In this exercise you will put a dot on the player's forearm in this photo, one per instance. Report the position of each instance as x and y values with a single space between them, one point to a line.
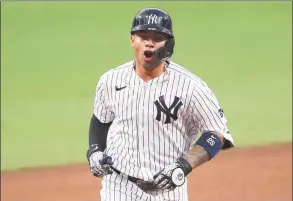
98 132
198 155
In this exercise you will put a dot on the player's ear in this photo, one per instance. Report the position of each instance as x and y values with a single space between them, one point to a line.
132 38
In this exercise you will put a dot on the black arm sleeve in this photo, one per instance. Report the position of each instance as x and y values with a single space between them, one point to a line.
98 132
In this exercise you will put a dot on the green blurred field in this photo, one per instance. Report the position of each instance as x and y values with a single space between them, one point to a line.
54 52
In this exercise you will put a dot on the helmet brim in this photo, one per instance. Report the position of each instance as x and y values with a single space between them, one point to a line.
152 27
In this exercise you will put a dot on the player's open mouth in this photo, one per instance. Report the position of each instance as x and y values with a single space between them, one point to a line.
148 54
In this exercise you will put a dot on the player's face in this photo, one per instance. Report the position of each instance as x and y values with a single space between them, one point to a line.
144 44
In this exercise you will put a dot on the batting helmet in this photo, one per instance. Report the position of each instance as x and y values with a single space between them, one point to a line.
154 19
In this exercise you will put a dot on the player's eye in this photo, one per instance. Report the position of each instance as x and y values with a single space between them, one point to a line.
159 37
144 36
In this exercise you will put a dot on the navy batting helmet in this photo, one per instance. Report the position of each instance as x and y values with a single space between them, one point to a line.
154 19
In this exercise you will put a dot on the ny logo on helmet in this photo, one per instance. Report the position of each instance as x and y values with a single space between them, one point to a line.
162 108
152 19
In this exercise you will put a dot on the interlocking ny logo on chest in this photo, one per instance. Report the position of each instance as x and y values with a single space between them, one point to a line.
163 109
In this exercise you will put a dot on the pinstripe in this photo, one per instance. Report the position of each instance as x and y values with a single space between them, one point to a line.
173 129
119 107
140 144
155 134
197 81
107 116
134 107
183 129
170 98
116 107
171 149
204 115
138 130
111 88
128 126
154 146
123 139
122 152
200 85
148 122
110 194
164 141
100 107
205 109
190 123
211 112
107 191
142 117
114 187
203 120
159 137
132 115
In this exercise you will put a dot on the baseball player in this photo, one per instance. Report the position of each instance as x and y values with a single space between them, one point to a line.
147 115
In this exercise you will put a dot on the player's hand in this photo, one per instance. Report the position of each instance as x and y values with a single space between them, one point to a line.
100 164
98 161
172 176
169 177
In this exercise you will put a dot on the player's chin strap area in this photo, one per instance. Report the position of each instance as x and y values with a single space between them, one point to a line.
164 53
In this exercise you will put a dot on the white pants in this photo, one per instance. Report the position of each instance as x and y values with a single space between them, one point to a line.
117 188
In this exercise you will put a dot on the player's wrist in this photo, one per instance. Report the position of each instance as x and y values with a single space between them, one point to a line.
184 165
92 149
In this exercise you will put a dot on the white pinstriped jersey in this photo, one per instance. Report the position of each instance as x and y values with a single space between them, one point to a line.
154 122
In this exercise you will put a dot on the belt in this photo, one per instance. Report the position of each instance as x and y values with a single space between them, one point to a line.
143 185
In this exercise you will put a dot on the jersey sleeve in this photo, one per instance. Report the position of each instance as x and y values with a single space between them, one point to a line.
102 108
207 113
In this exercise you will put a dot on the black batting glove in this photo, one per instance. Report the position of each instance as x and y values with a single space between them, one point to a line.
173 176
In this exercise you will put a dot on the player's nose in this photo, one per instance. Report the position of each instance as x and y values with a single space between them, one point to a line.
149 43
